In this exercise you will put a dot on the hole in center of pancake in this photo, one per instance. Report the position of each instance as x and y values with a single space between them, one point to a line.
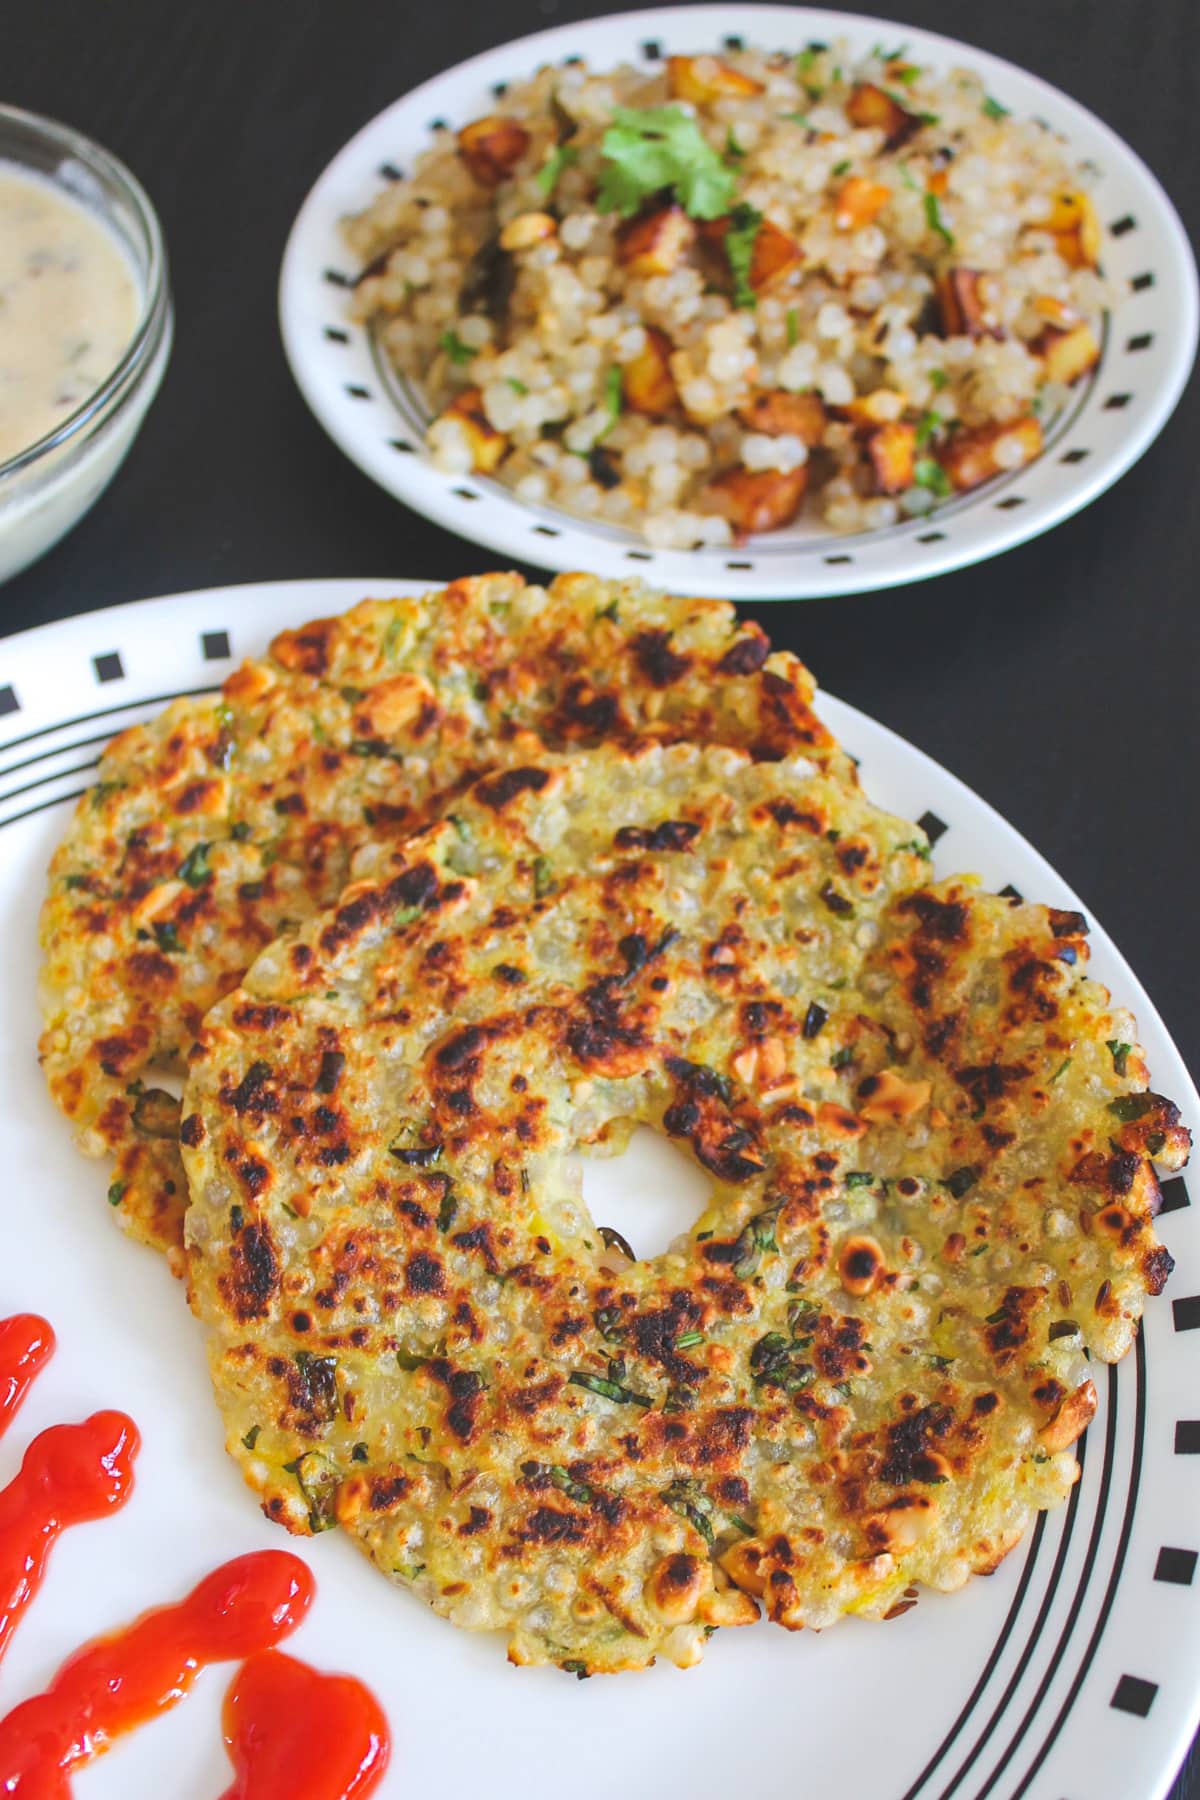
649 1193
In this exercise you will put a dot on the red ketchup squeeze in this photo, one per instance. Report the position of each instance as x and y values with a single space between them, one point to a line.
293 1732
119 1682
26 1342
70 1473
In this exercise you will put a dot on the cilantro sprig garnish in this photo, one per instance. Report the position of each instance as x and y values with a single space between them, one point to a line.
652 148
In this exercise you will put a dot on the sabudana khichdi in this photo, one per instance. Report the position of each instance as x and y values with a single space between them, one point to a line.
682 301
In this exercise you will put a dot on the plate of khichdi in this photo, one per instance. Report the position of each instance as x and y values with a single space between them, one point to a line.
769 301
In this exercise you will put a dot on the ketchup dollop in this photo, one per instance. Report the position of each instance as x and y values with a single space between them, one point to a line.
26 1342
292 1731
70 1473
118 1682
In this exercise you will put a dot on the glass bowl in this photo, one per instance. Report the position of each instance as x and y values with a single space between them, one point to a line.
46 488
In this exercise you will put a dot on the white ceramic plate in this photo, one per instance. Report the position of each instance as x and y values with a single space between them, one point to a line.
1069 1675
379 420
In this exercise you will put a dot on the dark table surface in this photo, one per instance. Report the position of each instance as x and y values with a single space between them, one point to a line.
1059 680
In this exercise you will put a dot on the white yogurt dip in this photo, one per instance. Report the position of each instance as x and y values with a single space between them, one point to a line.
69 306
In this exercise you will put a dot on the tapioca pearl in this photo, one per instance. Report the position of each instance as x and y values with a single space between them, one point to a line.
450 447
786 452
869 244
835 384
576 230
797 370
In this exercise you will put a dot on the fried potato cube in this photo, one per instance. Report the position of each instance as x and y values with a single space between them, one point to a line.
758 499
487 444
648 384
975 456
492 148
657 242
961 303
870 108
775 255
776 413
1076 228
860 202
893 453
1067 355
526 230
704 78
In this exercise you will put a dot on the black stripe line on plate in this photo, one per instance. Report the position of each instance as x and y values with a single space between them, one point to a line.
1081 1587
42 806
1039 1626
29 762
1110 1593
106 712
41 781
1039 1531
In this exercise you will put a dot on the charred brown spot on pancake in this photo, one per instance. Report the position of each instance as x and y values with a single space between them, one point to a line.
746 654
672 834
786 812
995 1138
191 1131
659 663
1035 983
838 1346
945 921
1008 1328
465 1390
587 711
497 790
251 1094
254 1175
253 1273
1156 1268
253 1016
425 1274
602 1040
478 1238
387 1491
550 1525
120 1053
909 1443
196 796
151 969
986 1082
461 1052
722 1437
307 651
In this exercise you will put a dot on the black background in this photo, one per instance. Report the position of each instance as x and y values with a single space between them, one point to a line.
1058 680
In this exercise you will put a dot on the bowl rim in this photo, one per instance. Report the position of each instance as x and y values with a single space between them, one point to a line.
139 353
